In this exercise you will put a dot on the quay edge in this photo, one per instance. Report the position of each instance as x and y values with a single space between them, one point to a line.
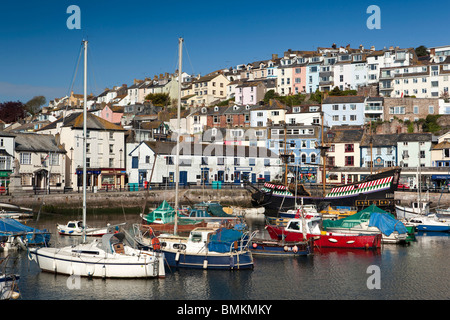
136 199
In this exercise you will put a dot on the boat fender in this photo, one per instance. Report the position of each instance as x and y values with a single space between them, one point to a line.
155 244
235 245
286 248
177 256
254 245
295 249
205 264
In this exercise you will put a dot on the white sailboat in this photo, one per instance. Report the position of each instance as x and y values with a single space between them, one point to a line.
106 257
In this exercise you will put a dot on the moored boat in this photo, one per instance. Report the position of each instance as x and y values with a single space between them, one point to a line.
377 188
204 248
106 257
371 220
75 228
294 231
430 223
265 247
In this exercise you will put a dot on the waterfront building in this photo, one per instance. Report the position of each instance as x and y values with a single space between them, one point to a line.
344 151
40 161
301 143
200 163
7 147
272 113
105 150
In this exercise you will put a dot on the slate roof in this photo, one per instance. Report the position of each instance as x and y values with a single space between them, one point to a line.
37 143
75 120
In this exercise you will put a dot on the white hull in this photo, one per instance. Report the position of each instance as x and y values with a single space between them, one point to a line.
90 260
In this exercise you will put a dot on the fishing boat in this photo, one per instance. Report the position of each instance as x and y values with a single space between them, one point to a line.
15 235
265 247
376 188
75 228
300 229
15 212
416 208
371 220
204 248
106 257
162 219
337 212
430 223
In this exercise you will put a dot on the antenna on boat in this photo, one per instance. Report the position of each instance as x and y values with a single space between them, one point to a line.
177 174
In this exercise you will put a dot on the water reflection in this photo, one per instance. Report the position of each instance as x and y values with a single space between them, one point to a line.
417 271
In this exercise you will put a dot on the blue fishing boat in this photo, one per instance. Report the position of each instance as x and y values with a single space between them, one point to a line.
17 234
430 223
204 248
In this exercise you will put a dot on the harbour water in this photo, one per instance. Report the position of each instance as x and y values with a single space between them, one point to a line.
418 271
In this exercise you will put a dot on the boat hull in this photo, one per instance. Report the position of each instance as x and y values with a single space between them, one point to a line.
59 261
431 228
281 248
223 261
330 240
378 189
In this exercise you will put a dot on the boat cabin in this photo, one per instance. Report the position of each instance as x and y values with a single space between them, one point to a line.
313 226
201 235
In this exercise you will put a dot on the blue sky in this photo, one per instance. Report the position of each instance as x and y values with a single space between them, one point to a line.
137 39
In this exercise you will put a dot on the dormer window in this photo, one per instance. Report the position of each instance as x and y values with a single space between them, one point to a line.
216 108
203 110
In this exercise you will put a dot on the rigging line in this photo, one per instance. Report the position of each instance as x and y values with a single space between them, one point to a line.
189 57
90 59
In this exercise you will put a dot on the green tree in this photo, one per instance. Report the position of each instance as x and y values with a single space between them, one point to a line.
159 99
421 51
271 94
34 105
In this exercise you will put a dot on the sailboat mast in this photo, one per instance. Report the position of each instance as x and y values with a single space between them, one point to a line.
177 174
85 43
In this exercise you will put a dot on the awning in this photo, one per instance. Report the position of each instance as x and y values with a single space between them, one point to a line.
440 177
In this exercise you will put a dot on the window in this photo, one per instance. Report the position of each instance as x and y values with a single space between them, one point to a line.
267 162
349 161
204 161
54 159
251 162
169 160
237 161
111 162
416 109
431 109
25 158
220 161
349 147
134 162
111 148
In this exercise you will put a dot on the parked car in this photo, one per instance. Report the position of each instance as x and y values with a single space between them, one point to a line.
402 186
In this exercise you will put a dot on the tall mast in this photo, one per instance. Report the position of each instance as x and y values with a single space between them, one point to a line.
324 177
85 43
177 173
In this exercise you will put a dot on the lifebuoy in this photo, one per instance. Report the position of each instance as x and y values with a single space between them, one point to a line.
155 244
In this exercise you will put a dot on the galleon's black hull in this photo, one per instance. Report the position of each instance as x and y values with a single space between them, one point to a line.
377 189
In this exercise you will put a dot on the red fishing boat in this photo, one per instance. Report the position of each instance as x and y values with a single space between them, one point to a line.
297 229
